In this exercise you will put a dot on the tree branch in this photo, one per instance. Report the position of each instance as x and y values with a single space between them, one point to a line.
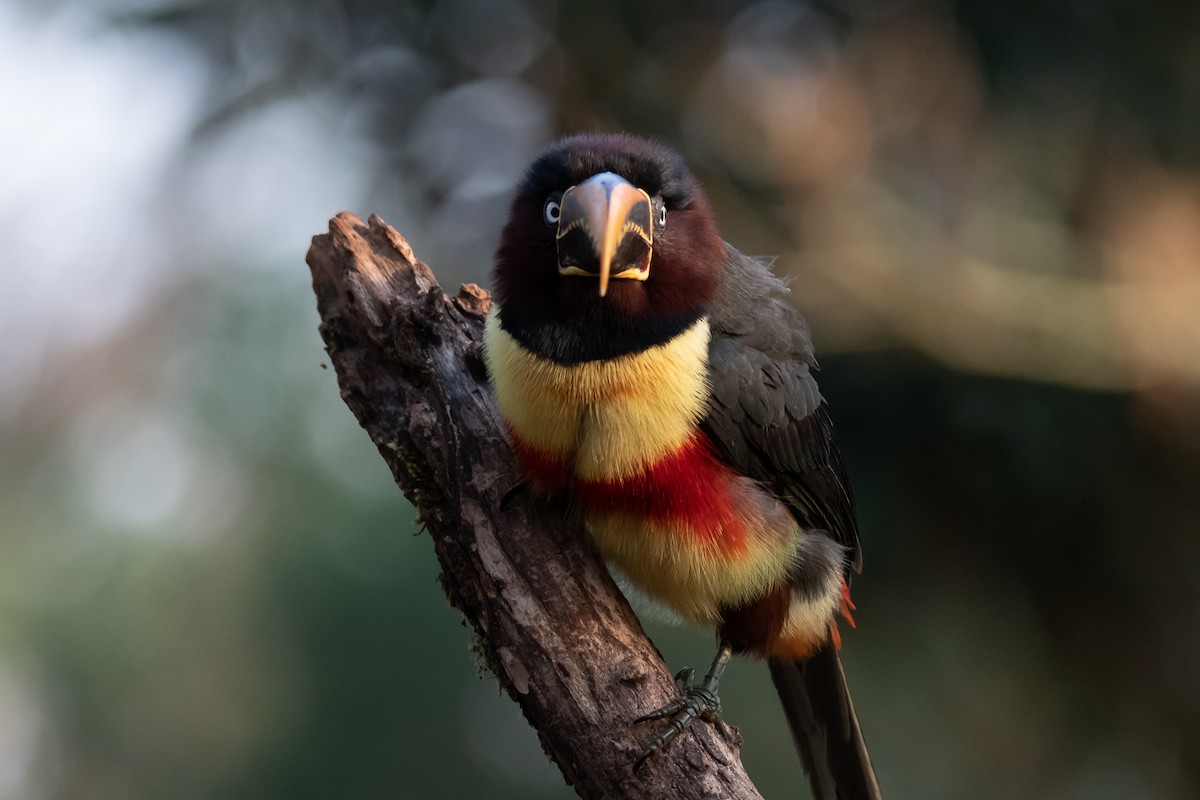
558 634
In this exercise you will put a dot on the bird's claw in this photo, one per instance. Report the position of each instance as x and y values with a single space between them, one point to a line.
514 491
693 702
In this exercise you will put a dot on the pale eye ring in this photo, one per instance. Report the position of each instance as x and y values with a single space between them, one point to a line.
662 216
552 211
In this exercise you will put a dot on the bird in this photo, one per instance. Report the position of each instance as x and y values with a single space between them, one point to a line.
659 380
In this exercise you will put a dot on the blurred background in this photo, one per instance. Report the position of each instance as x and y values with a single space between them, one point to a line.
990 213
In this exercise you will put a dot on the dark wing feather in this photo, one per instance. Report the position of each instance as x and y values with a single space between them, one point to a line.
766 416
767 419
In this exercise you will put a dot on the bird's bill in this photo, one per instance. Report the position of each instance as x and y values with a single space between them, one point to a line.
605 230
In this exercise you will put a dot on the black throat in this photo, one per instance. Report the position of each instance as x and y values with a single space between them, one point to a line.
592 337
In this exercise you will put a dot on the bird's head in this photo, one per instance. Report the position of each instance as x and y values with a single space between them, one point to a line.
610 246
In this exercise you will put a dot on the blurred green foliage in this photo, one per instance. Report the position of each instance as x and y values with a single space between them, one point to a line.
209 586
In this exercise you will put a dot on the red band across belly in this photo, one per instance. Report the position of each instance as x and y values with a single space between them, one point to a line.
689 487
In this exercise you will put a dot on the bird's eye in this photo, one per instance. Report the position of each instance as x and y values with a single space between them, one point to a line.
552 211
662 216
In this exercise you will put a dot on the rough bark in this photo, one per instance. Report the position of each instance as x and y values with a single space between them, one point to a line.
558 634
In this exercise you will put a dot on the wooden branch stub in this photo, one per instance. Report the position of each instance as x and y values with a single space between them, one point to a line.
560 637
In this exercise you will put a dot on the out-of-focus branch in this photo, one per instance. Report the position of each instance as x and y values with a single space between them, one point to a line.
1130 330
558 634
918 210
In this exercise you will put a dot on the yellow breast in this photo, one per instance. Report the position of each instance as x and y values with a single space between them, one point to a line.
608 419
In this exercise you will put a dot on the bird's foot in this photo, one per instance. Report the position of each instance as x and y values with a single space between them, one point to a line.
514 491
694 700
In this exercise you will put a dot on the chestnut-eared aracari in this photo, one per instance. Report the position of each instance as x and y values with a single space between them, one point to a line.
657 377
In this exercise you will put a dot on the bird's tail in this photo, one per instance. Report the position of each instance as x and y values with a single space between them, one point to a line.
821 715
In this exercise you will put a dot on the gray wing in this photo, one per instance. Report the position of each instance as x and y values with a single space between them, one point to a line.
766 417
